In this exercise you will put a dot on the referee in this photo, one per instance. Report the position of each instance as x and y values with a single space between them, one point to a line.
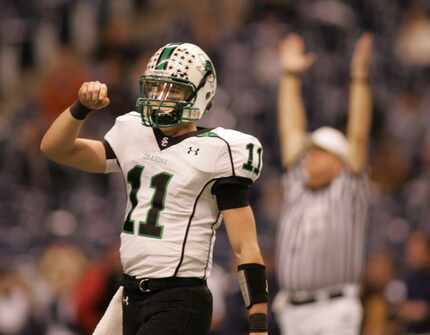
322 229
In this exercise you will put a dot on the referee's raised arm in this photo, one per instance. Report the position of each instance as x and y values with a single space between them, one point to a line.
291 111
360 105
322 230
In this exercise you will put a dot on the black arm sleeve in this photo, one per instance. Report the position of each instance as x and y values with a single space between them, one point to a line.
231 192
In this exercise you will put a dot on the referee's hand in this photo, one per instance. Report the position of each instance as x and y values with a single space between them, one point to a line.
292 55
94 95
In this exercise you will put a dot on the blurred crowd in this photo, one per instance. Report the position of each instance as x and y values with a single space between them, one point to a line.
60 228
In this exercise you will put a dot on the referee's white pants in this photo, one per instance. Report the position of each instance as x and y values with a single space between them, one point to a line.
338 316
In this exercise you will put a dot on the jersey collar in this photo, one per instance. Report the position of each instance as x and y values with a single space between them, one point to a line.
165 141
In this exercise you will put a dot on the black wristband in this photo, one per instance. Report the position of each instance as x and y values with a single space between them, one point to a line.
258 323
79 111
253 283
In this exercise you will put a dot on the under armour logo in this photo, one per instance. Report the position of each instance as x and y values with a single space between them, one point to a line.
125 300
164 141
191 149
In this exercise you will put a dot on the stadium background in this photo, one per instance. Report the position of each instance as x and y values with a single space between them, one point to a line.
59 228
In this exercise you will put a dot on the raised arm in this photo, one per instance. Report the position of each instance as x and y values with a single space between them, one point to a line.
360 105
240 225
61 143
291 111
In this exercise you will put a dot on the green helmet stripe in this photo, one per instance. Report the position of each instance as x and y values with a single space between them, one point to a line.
165 55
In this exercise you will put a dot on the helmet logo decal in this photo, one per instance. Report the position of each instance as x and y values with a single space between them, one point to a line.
165 55
202 67
162 65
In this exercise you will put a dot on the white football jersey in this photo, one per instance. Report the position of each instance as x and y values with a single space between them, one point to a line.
171 213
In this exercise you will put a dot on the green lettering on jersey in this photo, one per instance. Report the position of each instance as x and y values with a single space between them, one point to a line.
150 226
249 165
133 178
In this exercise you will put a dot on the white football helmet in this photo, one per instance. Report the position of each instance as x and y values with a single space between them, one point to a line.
178 86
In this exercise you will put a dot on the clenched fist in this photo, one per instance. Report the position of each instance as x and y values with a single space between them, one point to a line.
94 95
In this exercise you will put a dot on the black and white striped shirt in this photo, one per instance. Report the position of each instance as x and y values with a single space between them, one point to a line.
322 232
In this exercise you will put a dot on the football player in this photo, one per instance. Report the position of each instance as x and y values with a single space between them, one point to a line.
181 182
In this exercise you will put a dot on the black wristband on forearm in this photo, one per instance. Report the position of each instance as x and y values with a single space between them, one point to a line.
258 323
253 283
79 111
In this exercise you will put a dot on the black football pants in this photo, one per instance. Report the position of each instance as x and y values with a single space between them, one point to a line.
175 311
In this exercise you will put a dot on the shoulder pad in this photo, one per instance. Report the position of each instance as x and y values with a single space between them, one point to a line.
129 124
202 151
241 155
132 116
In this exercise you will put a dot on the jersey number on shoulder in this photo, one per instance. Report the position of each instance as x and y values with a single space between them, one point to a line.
150 226
249 165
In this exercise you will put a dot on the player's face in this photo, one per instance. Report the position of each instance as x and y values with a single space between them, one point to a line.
164 96
162 91
321 167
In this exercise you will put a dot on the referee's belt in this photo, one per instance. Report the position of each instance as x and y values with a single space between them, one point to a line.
303 298
298 300
147 285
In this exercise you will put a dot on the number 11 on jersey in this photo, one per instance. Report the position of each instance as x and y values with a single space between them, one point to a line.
150 226
249 164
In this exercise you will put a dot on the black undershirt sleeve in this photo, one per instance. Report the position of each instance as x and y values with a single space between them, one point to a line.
232 192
